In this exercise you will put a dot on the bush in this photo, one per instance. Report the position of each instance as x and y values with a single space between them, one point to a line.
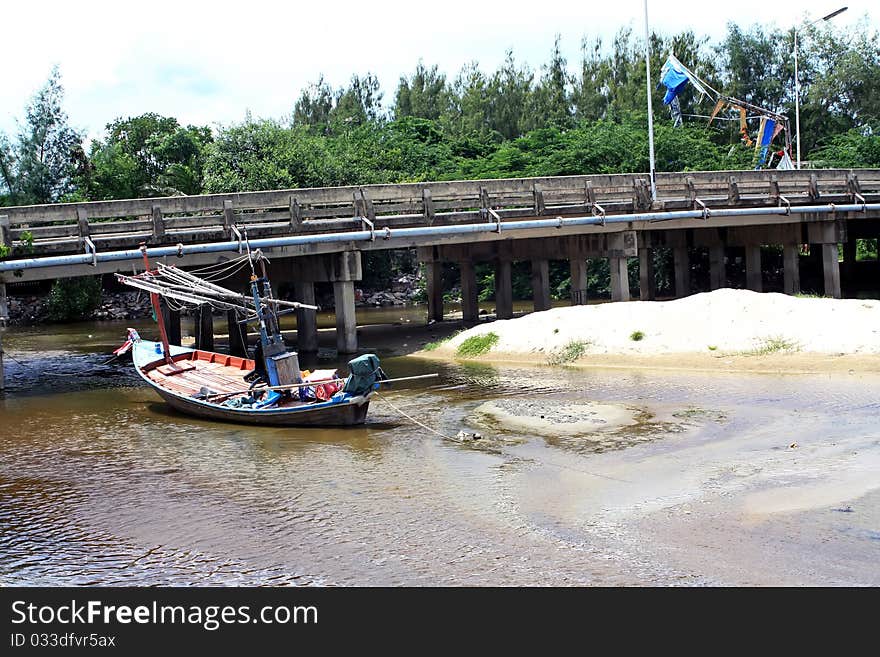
477 345
74 299
569 352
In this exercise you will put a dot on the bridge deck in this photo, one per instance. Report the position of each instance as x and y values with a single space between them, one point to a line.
64 228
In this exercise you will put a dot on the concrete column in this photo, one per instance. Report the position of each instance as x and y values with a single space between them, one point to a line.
647 291
541 284
237 335
619 279
503 290
4 306
203 328
2 375
306 320
682 266
172 323
826 235
849 263
346 321
791 268
434 273
578 281
831 270
470 308
753 268
717 274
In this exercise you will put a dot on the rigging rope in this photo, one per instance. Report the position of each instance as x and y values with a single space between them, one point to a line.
543 462
412 419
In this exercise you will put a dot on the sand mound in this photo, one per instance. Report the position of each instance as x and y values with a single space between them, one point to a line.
724 321
557 418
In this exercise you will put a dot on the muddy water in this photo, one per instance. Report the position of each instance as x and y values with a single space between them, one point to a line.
720 479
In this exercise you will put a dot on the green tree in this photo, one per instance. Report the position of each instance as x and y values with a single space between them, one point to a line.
551 99
268 155
425 94
754 66
74 299
510 94
469 114
148 155
314 105
359 103
43 164
853 149
591 89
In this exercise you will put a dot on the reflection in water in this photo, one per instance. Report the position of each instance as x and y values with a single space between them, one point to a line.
101 483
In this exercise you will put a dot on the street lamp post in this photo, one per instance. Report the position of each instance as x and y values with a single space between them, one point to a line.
797 86
650 109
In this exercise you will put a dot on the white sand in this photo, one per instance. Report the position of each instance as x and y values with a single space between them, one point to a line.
556 418
725 321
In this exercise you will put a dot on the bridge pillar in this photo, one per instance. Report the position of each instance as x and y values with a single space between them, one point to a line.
753 268
682 266
620 247
434 273
619 279
791 268
4 306
717 273
203 328
827 235
848 267
541 284
831 270
503 290
470 309
172 323
306 320
578 281
4 320
647 290
237 335
346 320
342 269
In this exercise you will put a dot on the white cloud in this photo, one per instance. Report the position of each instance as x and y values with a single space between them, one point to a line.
209 62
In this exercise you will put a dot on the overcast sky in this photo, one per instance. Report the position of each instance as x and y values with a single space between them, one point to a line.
210 62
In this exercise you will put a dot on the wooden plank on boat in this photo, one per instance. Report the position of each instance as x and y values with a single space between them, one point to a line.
175 368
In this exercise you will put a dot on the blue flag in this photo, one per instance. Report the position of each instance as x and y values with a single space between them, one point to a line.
674 76
765 135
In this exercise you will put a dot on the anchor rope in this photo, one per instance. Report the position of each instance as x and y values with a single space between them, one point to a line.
550 463
15 360
411 418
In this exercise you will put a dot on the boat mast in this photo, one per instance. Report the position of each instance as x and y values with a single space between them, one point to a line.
282 366
157 310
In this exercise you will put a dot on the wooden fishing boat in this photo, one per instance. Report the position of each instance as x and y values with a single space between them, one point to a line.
203 383
269 389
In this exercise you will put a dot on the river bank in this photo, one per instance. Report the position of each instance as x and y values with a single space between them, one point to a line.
600 476
33 309
734 330
581 476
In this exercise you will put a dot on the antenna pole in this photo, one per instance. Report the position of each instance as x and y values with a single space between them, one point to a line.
157 309
650 110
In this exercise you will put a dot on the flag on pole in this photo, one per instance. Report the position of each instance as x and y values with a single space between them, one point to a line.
765 135
675 76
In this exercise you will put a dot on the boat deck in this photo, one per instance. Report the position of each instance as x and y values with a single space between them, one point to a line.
200 369
190 372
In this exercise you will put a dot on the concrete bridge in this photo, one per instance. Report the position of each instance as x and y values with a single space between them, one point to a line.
318 235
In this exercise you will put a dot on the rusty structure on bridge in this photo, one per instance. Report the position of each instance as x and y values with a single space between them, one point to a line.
320 234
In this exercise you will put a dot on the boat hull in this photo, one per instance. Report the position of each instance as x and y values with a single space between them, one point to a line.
339 411
338 415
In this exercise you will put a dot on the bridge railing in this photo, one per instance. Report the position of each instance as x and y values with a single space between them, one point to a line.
63 228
